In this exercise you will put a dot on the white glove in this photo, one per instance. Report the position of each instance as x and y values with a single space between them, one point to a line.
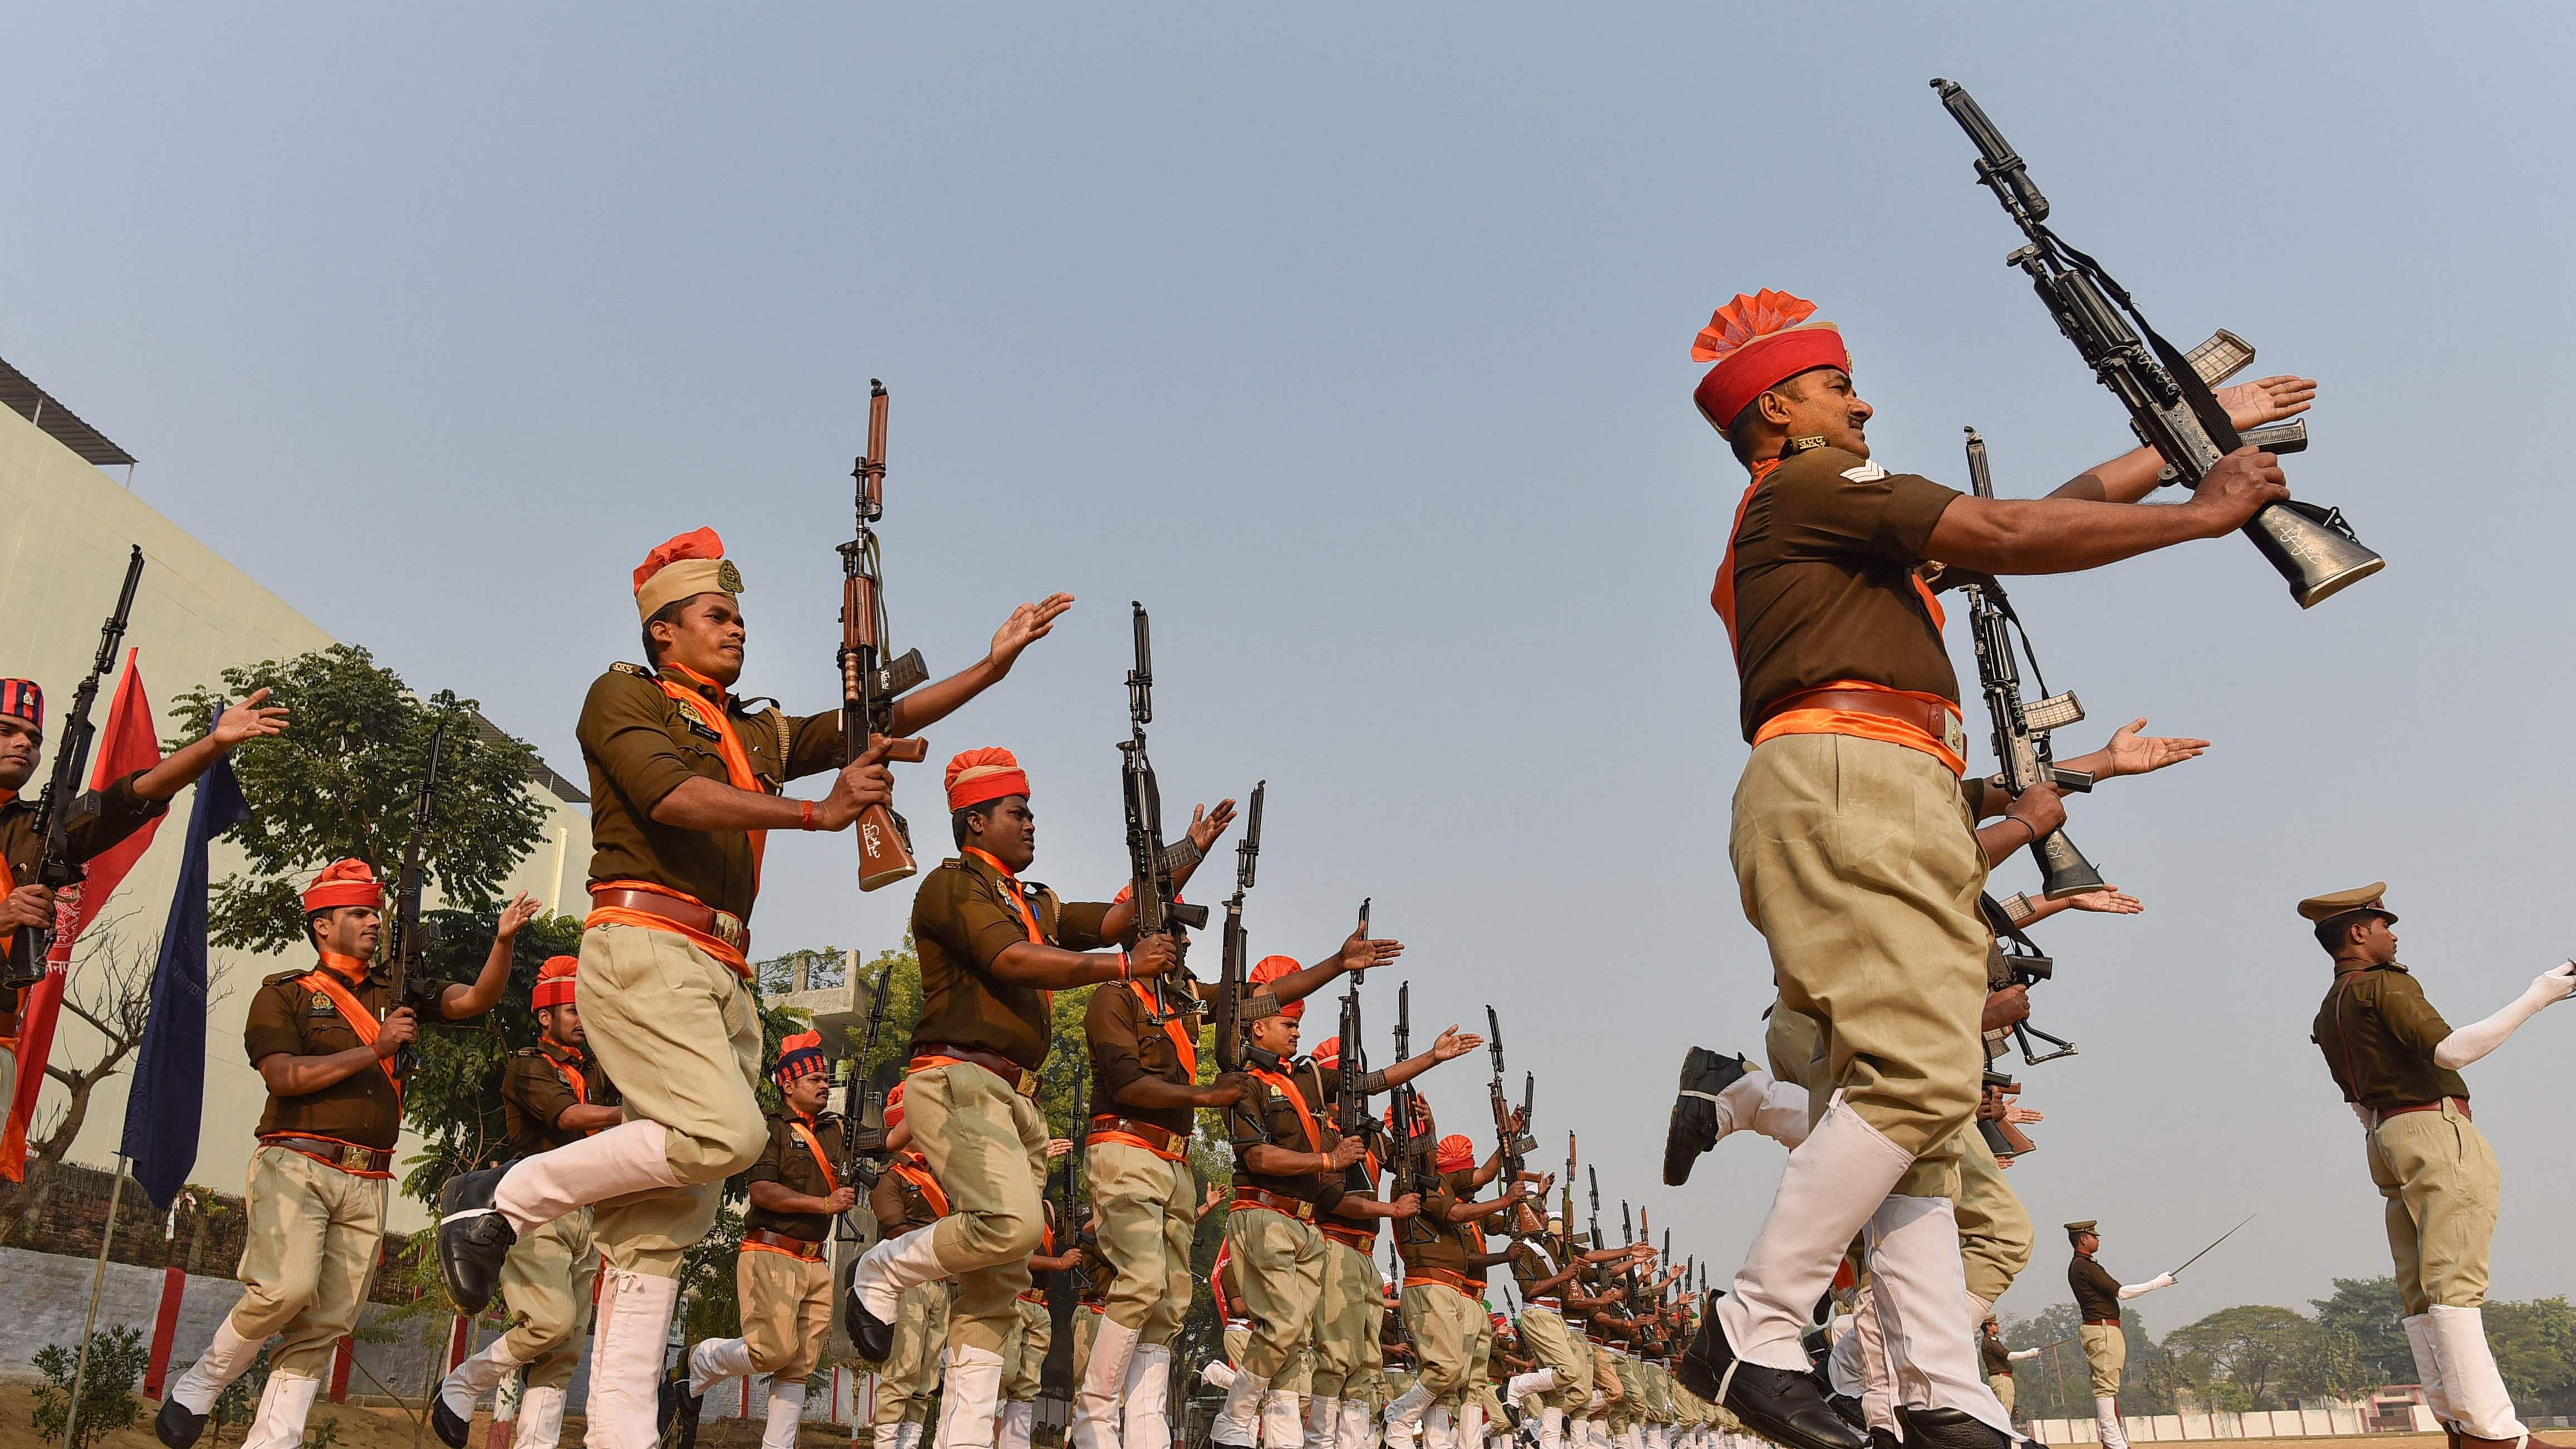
2469 1043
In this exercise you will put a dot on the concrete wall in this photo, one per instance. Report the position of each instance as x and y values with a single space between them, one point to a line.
64 531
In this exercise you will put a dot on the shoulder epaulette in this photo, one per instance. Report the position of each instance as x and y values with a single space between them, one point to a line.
638 670
524 1052
286 976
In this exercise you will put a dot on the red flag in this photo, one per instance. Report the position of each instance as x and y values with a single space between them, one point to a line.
129 743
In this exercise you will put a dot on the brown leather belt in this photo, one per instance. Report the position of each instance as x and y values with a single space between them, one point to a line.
1363 1239
1931 719
1445 1279
810 1252
2384 1113
1551 1303
1277 1202
725 926
346 1156
2101 1323
1161 1139
1019 1078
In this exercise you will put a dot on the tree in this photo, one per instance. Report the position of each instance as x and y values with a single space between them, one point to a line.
107 1403
453 1096
2255 1353
2365 1337
2535 1350
342 784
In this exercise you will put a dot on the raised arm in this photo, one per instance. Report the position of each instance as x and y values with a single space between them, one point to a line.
457 1000
2469 1043
932 703
2132 475
2065 535
294 1076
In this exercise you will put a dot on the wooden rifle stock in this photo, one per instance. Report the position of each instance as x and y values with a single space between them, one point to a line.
869 684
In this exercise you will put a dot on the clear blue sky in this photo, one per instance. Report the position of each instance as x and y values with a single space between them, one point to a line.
1355 341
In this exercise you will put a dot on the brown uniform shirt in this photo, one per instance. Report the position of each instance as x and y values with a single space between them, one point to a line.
1991 1349
536 1089
1824 581
99 819
1126 1049
1266 1116
788 1162
2097 1293
1439 1243
899 1205
362 1107
1534 1261
640 744
962 918
2378 1033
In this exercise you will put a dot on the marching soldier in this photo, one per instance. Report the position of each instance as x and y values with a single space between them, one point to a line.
685 776
551 1094
2398 1064
993 951
1999 1359
2098 1297
96 820
1545 1265
1024 1351
1443 1313
1851 707
906 1199
783 1275
328 1042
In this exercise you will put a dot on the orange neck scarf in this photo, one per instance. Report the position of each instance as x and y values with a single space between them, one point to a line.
913 1168
1184 1041
1020 903
360 1020
348 966
737 760
804 1126
571 1069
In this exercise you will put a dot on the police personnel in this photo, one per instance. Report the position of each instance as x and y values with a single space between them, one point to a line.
2098 1297
994 949
906 1198
1853 839
551 1094
1545 1263
684 782
1444 1315
94 821
1999 1360
328 1042
2398 1063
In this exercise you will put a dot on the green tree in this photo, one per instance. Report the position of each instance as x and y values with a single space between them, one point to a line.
2365 1337
341 783
453 1096
107 1402
2259 1352
2535 1350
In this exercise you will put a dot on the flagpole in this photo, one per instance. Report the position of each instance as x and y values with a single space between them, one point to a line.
97 1280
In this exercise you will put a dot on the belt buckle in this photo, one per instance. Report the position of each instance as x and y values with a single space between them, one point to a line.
1954 736
1028 1086
1305 1211
355 1159
728 928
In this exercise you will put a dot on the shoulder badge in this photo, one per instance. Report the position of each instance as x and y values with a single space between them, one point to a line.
638 670
1865 473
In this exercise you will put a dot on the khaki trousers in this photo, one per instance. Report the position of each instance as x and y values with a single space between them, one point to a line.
2442 1185
786 1311
2003 1386
1545 1336
675 1029
1659 1393
1858 863
546 1284
1279 1261
1024 1352
987 1147
1480 1350
1632 1391
310 1249
1995 1236
1442 1323
1347 1320
1147 1209
2106 1351
1605 1380
910 1372
1086 1327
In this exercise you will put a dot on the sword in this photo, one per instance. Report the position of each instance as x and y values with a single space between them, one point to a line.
2203 1253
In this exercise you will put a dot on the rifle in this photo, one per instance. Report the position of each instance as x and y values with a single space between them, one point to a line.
1158 902
862 1110
1565 1214
1627 1234
55 867
1233 1010
1061 1290
1595 1174
1408 1150
1351 1102
411 983
2166 391
869 684
2003 1139
2015 961
1514 1139
2022 729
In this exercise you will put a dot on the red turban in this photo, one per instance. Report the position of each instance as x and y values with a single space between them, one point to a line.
554 982
683 568
23 700
1455 1154
801 1055
982 775
1271 968
344 883
1758 342
1328 1053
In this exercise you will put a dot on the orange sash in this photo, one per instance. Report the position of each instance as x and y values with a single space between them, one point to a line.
737 760
814 1144
1288 1089
572 1075
1185 1041
1020 903
360 1020
923 1182
8 883
725 951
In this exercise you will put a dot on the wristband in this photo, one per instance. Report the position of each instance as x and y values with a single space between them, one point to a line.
805 815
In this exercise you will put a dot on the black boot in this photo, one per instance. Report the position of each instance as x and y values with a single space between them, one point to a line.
451 1426
1950 1429
175 1426
1693 1127
872 1336
1777 1403
1884 1439
1849 1408
676 1410
473 1238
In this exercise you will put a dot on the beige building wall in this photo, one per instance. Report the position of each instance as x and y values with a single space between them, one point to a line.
65 528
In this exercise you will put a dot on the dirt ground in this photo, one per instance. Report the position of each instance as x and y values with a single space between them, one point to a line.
363 1427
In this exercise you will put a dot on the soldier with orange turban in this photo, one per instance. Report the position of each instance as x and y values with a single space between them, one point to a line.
1854 841
906 1198
686 782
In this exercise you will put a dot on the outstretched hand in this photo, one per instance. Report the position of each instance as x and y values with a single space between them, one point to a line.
1206 825
1028 624
1454 1044
1359 953
2134 754
2109 900
248 720
2267 400
522 909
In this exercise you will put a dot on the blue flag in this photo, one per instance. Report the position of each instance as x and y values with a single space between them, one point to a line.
168 1095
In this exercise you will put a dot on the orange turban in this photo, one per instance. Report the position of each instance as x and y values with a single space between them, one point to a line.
1454 1154
801 1055
894 1107
1758 342
978 776
554 982
683 568
1328 1053
1271 968
344 883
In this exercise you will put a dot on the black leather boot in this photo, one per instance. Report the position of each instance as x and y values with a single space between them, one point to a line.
1778 1403
473 1238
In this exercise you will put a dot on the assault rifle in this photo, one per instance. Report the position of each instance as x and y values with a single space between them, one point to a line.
2003 1139
1234 1009
869 683
2166 391
1158 902
1565 1213
1512 1136
1349 1100
1595 1174
412 984
55 867
862 1110
1409 1150
2015 961
2022 729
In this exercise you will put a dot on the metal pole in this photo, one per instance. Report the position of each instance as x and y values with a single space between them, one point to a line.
97 1280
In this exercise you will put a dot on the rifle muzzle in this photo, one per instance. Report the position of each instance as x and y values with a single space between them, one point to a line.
2313 548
